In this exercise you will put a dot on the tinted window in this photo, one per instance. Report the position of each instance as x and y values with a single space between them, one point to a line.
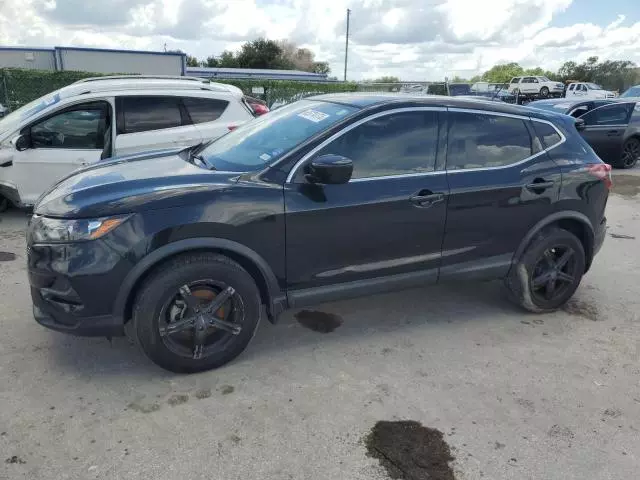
265 139
142 114
81 128
548 135
572 86
632 92
394 144
204 109
515 80
482 140
608 115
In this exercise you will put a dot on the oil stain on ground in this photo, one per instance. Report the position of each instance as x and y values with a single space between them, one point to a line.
582 309
410 451
178 399
7 256
627 186
318 321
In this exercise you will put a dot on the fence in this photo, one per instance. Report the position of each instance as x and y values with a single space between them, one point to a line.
18 86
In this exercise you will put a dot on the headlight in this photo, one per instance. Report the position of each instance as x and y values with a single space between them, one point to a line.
54 230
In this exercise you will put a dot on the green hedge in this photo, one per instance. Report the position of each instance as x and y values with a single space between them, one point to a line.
20 86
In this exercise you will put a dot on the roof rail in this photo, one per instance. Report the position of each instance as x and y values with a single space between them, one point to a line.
143 77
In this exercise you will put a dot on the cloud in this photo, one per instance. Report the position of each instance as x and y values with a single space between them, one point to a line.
411 39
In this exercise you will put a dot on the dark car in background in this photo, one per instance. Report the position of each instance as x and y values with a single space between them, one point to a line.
610 126
631 92
331 197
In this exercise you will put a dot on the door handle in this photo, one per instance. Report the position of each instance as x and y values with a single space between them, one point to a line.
539 185
426 198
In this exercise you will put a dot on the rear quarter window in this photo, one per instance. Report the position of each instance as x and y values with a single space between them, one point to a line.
548 135
202 110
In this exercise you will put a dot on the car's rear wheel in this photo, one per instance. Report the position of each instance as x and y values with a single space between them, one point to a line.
549 271
544 92
4 204
630 153
196 312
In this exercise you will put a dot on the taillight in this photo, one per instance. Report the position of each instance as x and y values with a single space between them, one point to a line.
259 109
601 171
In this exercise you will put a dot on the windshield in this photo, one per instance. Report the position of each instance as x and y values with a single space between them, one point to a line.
13 120
632 92
264 140
593 86
544 79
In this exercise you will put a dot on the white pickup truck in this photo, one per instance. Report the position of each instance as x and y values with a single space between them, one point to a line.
587 90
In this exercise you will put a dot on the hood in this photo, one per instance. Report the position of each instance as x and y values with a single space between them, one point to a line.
132 184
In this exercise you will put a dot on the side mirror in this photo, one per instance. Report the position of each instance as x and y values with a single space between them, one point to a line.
21 143
330 170
580 124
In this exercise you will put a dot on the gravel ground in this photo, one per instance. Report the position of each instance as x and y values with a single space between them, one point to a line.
517 396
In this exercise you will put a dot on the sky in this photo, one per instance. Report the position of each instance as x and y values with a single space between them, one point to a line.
416 40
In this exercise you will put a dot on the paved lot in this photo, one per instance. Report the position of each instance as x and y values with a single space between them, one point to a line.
518 396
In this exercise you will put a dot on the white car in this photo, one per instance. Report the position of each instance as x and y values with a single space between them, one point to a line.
536 86
100 118
587 90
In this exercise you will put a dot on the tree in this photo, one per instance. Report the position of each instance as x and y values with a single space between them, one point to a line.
211 62
192 61
261 53
228 60
321 67
503 73
387 79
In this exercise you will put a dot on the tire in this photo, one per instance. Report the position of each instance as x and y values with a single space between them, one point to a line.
150 312
544 92
630 154
516 92
4 204
534 263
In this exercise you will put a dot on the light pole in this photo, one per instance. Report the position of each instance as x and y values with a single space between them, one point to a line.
346 46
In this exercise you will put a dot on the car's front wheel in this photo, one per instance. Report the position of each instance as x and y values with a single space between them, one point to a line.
549 271
4 204
196 312
630 153
544 92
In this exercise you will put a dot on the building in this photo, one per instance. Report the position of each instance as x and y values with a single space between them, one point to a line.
98 60
254 73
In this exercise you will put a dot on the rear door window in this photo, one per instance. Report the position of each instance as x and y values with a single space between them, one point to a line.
143 114
202 110
479 140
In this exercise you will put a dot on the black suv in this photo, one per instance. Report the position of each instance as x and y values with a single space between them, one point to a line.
327 198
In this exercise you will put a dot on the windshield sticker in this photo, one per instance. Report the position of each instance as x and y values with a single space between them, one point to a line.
265 157
313 115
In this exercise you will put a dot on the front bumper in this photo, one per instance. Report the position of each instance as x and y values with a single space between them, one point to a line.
74 287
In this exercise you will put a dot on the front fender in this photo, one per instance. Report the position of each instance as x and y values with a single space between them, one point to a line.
275 298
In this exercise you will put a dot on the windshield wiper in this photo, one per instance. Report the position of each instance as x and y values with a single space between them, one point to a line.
193 156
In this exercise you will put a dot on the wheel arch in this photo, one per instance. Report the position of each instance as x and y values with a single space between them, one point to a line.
270 292
572 221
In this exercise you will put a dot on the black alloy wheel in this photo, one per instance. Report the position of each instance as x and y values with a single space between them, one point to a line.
201 318
630 153
554 274
544 92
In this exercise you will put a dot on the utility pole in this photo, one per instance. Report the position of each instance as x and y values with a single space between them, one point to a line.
346 47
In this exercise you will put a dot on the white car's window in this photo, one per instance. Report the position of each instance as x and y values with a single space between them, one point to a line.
142 114
478 140
81 128
203 110
572 87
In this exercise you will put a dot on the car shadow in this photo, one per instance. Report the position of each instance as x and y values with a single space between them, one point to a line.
369 318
